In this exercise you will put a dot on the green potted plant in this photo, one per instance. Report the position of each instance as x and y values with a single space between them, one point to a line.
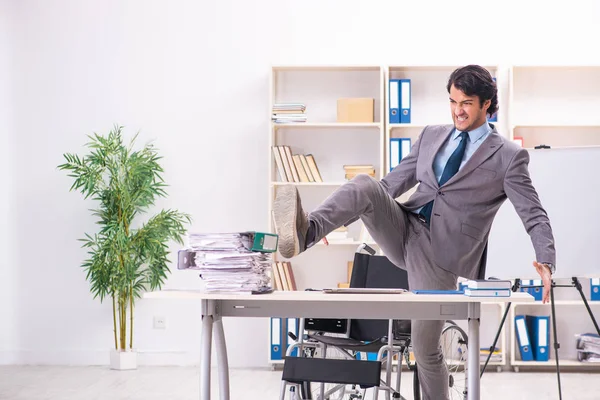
126 256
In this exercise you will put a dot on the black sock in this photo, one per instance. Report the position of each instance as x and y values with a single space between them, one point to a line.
310 235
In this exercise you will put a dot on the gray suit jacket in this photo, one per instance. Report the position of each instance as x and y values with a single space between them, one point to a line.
465 206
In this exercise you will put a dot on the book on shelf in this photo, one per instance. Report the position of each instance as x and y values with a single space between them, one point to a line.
283 276
495 357
288 112
352 171
295 167
489 284
312 164
348 278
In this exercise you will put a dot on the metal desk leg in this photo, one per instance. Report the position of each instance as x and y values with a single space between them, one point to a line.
205 348
473 388
222 359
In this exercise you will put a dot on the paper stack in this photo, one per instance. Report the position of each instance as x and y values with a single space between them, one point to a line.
288 112
231 262
352 170
588 347
496 354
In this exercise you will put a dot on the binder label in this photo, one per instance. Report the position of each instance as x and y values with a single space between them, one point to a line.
405 97
542 337
523 338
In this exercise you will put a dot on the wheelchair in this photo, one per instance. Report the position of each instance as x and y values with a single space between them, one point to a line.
341 359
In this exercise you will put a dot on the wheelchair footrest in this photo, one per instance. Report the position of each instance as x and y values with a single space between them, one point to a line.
364 373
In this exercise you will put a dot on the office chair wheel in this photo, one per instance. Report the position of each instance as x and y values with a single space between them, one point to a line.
454 343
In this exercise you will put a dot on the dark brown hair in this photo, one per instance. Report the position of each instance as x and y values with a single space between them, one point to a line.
474 80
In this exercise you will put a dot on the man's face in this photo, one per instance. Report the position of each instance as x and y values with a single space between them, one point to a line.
467 112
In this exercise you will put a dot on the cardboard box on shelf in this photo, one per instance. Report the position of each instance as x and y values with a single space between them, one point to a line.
355 109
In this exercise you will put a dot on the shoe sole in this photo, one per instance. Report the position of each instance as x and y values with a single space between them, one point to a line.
285 209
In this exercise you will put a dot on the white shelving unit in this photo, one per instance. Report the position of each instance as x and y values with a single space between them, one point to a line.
333 145
555 105
567 353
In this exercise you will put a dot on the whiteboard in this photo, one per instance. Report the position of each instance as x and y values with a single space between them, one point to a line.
568 183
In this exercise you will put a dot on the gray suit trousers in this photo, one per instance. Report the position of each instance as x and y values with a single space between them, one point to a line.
406 242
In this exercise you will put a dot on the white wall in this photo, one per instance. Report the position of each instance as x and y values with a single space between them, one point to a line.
8 270
193 76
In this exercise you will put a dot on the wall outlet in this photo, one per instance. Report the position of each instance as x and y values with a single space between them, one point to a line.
160 323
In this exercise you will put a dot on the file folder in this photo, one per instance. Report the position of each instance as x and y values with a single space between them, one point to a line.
292 326
399 148
523 338
276 348
536 292
525 282
393 100
405 93
595 289
539 335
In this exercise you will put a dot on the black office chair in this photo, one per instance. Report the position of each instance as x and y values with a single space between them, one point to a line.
363 336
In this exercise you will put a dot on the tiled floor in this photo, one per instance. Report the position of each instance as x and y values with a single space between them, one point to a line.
179 383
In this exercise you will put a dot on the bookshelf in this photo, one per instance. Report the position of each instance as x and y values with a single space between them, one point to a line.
555 105
565 309
333 144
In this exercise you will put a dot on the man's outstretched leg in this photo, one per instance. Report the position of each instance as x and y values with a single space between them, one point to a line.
362 197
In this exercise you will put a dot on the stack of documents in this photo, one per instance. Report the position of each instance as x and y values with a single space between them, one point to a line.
588 347
231 262
488 288
496 354
352 170
289 112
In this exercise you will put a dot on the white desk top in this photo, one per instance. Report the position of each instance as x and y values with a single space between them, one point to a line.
329 297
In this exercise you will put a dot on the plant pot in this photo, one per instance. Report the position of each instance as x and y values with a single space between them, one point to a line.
123 359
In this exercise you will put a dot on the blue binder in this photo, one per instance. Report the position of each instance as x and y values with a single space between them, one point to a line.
523 338
292 326
595 289
405 93
538 291
539 335
394 100
399 148
276 347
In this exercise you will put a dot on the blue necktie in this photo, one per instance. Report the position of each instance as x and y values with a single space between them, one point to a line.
450 169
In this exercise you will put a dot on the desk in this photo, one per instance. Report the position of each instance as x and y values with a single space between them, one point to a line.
323 305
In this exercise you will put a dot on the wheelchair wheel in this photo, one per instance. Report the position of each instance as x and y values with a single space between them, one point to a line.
454 344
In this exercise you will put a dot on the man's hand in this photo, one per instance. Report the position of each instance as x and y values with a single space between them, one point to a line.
546 275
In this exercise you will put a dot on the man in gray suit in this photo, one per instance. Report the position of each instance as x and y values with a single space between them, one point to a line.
464 173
